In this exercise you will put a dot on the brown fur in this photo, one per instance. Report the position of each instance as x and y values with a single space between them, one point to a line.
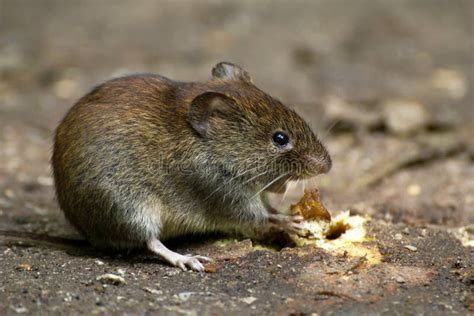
144 156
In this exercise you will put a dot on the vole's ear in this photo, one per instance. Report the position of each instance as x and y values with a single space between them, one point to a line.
229 71
204 106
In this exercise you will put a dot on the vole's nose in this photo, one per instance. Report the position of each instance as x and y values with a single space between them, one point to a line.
327 164
318 165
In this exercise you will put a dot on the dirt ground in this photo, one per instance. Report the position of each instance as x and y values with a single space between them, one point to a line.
388 86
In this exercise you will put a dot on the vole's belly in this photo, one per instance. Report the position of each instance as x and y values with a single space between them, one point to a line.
177 224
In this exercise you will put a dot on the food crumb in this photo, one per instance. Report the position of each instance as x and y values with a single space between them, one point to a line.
210 268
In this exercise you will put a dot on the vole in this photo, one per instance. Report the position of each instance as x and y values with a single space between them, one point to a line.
143 158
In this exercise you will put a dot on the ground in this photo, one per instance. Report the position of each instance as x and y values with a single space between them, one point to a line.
388 86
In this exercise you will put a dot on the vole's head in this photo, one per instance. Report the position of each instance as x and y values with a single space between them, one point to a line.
256 138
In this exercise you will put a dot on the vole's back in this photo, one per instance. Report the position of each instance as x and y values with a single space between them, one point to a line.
106 155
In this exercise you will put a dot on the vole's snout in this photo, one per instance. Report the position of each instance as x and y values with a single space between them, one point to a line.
317 165
327 163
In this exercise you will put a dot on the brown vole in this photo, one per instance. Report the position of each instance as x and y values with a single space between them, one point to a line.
143 158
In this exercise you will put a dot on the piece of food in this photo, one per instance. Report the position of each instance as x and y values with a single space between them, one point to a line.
344 234
310 207
210 268
317 223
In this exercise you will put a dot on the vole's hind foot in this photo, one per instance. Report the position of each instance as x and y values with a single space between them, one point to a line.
289 224
193 262
186 262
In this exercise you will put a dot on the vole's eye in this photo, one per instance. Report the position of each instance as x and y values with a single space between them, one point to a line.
281 139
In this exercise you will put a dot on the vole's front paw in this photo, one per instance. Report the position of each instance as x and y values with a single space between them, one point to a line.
191 262
289 224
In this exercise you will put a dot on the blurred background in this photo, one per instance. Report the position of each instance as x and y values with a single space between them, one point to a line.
388 86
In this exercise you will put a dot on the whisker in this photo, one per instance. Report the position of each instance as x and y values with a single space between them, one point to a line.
240 175
312 182
254 166
286 191
254 177
284 184
229 181
269 184
328 130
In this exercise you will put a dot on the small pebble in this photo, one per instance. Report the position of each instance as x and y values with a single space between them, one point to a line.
399 279
450 81
403 117
121 272
19 309
9 193
410 247
152 291
184 296
110 278
172 272
414 190
249 300
24 267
